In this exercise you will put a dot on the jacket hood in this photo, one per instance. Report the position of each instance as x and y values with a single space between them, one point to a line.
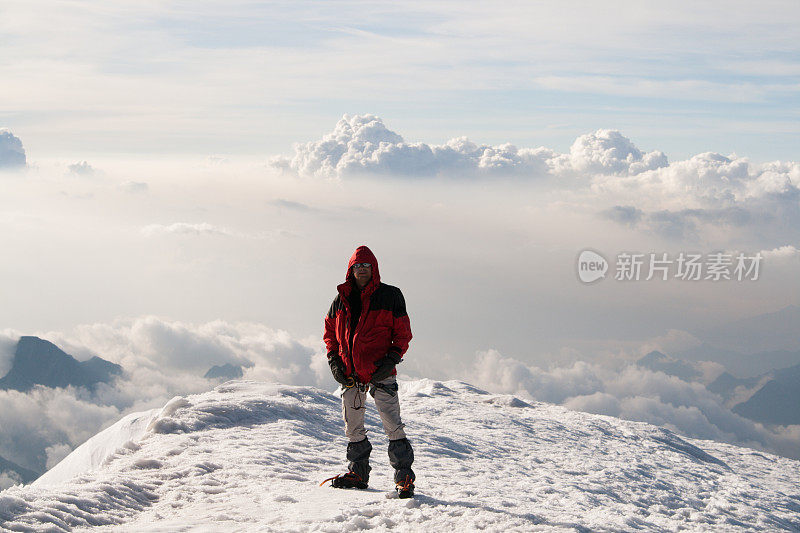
363 255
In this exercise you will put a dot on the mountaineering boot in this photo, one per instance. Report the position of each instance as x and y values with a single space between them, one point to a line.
401 456
348 480
358 455
358 475
405 489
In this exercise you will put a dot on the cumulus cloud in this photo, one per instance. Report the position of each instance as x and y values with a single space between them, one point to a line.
627 185
781 253
183 228
38 419
705 181
158 344
363 144
632 393
609 152
708 190
12 153
56 453
9 479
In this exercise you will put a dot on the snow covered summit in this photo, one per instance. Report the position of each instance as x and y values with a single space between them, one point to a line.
249 456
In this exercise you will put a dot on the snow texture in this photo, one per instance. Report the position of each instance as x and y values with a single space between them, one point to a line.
249 456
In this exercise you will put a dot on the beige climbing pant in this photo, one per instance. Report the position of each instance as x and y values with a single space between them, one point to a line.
354 402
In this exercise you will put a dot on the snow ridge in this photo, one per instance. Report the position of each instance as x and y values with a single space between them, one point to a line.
249 456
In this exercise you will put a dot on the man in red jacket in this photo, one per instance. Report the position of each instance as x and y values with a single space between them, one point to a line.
367 331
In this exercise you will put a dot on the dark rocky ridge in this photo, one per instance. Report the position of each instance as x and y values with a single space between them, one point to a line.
226 371
40 362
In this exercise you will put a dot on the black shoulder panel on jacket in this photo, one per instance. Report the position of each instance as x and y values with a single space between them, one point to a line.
335 306
390 298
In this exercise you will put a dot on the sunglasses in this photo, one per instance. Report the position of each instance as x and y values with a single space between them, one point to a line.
359 265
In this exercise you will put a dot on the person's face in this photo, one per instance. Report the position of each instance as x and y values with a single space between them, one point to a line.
362 272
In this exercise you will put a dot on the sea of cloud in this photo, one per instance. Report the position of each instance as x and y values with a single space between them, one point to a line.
164 358
625 390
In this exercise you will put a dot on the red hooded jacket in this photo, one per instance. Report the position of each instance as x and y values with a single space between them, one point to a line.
383 325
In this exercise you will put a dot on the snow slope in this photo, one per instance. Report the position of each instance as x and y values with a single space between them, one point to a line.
249 456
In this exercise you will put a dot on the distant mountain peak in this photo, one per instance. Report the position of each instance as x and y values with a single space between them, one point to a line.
40 362
15 472
226 371
655 355
660 362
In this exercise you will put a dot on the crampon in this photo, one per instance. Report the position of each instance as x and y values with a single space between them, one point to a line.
348 480
405 489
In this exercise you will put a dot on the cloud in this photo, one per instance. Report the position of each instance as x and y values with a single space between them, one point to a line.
8 345
609 152
183 228
707 180
41 418
623 214
160 344
605 169
631 393
781 253
56 453
708 190
9 479
12 153
81 168
363 144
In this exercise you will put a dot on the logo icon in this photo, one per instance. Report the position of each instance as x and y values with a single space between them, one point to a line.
591 266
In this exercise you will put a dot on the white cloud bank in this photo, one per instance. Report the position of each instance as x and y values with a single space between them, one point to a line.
603 169
12 153
632 393
363 144
782 253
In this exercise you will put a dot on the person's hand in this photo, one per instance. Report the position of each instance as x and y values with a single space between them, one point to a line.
337 369
385 367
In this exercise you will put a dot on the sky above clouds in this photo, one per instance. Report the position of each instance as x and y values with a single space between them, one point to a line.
251 78
181 185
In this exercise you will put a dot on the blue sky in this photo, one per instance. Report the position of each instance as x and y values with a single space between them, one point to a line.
251 78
